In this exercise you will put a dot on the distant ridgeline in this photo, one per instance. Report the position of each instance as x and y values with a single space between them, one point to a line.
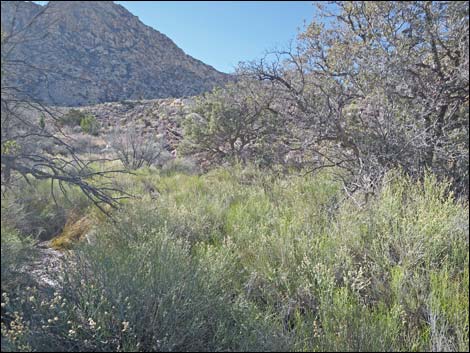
84 52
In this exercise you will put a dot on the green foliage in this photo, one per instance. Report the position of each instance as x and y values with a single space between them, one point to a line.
72 118
234 123
87 122
239 259
361 93
16 251
42 122
36 213
90 125
244 259
181 166
9 147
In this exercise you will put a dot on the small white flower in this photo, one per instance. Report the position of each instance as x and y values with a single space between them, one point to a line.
125 326
91 323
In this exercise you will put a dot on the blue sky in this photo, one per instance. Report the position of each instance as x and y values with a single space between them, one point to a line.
222 33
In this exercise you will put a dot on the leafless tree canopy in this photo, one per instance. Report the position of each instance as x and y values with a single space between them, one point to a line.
136 150
382 85
27 124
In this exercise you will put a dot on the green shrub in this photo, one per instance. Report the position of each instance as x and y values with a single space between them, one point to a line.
86 121
180 165
147 293
42 122
90 125
16 251
233 123
237 259
72 118
36 212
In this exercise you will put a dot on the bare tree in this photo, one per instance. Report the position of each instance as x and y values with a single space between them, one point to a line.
136 149
26 123
383 85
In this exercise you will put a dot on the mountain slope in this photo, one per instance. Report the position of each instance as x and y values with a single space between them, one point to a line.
97 51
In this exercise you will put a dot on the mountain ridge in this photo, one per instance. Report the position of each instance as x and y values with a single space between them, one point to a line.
103 53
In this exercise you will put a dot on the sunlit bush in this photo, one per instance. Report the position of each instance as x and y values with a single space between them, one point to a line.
242 260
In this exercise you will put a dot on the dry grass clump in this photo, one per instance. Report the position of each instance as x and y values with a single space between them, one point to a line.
74 230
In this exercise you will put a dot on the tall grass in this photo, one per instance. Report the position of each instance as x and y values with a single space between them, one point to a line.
40 210
241 260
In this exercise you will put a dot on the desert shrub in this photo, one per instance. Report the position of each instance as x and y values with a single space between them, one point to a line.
361 276
238 259
86 121
234 123
143 291
165 295
42 122
90 125
409 235
84 143
181 165
72 118
34 211
364 277
136 150
16 251
129 104
393 121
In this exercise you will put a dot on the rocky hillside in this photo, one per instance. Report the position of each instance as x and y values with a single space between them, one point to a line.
85 52
159 117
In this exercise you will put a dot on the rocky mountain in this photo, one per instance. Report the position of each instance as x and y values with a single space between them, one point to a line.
74 53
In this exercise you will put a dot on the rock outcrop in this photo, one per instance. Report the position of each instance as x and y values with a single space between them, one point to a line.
87 52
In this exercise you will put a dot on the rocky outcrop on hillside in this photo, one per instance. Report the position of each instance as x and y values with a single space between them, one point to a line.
159 117
87 52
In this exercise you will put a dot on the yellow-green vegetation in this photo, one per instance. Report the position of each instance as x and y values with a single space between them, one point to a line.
75 117
72 118
74 231
90 125
239 259
39 210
